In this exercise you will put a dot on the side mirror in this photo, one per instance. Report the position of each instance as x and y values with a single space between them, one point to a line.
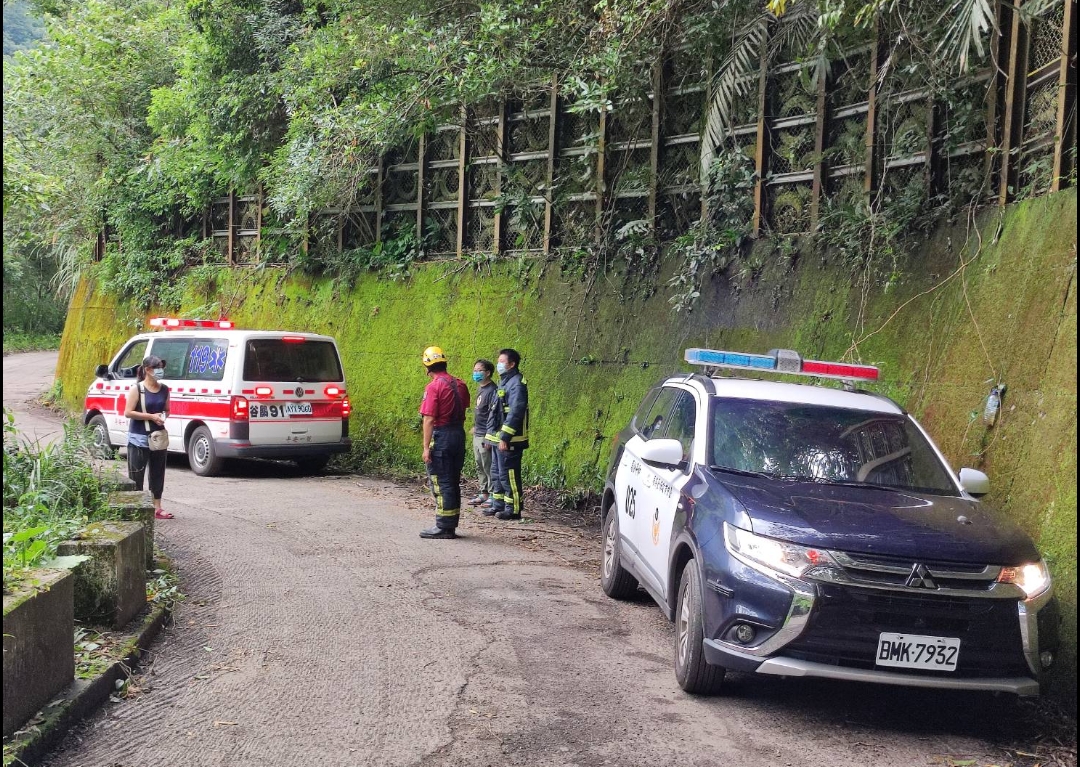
662 452
101 371
974 482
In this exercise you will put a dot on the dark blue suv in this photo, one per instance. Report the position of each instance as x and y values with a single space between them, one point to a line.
803 530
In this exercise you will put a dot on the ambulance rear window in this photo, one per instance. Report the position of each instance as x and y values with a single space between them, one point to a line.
275 359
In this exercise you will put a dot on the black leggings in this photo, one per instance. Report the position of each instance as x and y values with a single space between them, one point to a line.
142 458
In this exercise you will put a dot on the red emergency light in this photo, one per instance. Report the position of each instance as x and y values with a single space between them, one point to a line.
174 323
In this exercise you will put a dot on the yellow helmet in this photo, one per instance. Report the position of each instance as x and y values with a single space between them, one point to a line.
433 354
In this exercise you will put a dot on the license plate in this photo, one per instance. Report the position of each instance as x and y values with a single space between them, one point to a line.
915 651
284 410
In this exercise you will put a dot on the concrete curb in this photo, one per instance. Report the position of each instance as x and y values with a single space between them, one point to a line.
82 697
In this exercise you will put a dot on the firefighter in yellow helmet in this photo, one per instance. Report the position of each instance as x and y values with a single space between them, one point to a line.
443 409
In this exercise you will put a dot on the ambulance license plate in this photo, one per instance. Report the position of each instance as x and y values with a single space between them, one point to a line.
297 408
915 651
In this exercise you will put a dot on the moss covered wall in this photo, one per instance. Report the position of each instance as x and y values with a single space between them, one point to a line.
942 337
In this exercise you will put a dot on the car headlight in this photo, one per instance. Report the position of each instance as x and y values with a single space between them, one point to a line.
1033 579
784 557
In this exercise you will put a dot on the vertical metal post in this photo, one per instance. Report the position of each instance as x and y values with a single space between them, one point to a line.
258 220
1065 129
601 181
654 145
761 151
379 197
1012 137
231 258
420 183
553 148
870 142
463 180
500 151
820 166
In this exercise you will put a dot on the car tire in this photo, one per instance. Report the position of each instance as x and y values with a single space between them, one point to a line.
614 579
692 671
202 456
313 464
100 444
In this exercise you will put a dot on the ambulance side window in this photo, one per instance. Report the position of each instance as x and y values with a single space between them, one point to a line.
129 361
174 352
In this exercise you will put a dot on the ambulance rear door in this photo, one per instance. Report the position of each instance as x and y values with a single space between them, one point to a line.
295 388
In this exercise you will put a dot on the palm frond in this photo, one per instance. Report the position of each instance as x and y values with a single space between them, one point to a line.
966 23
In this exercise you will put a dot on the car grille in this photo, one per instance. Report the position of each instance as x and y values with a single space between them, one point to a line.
877 570
846 621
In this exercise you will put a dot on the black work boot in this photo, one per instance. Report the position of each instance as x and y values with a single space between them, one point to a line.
437 532
507 515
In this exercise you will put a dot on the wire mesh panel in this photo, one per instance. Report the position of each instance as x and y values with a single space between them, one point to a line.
683 112
904 128
440 230
628 216
398 224
904 185
629 172
1045 38
574 223
849 81
526 177
676 214
792 93
443 144
966 178
358 230
792 149
680 165
480 229
527 134
1040 122
789 208
442 184
845 140
401 186
525 226
220 226
575 175
631 119
578 129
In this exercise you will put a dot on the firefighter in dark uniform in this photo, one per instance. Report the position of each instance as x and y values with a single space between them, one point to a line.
508 431
443 409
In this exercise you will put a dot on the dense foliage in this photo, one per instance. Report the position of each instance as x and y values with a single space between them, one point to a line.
135 115
50 491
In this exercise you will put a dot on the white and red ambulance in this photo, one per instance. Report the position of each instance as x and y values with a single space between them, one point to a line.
233 394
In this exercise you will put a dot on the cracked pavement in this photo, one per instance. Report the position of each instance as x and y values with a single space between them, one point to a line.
319 629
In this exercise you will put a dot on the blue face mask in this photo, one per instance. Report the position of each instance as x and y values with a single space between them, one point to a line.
478 377
158 372
501 368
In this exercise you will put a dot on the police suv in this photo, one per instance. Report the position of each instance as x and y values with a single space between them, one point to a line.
800 530
233 393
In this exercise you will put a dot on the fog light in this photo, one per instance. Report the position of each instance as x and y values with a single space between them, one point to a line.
744 633
1046 658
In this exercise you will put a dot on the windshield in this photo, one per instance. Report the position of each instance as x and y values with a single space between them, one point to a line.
275 359
825 444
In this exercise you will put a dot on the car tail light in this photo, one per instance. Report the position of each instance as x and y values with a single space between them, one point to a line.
239 411
263 391
346 407
333 391
293 339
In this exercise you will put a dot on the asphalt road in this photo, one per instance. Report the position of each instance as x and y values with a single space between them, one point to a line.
319 629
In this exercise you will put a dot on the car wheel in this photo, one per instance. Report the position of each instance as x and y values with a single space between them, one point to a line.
313 464
614 579
100 444
201 454
693 673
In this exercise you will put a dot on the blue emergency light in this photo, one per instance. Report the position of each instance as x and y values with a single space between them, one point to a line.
780 361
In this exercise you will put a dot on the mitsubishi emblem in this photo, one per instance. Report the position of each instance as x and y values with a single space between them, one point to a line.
299 391
920 578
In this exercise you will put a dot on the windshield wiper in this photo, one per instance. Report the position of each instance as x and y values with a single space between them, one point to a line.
840 482
742 472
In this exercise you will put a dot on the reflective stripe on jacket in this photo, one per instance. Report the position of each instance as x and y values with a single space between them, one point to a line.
509 414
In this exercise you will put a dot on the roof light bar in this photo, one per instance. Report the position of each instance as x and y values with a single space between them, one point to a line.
780 361
172 323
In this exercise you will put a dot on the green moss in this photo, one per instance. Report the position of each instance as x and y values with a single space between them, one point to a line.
942 336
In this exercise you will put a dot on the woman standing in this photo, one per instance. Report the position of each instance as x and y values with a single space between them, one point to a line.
147 408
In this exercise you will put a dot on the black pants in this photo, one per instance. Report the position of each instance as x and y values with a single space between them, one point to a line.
506 491
444 471
142 458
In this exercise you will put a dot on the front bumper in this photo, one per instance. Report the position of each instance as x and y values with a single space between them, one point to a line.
233 448
832 630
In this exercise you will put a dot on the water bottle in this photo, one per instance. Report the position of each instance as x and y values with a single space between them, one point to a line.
993 405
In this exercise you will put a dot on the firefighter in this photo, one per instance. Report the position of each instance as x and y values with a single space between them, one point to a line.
443 409
508 431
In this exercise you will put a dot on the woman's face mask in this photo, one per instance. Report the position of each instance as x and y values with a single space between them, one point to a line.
477 376
158 372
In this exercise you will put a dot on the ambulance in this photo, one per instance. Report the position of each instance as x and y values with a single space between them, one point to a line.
233 394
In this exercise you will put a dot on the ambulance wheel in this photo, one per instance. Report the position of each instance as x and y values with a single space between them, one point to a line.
202 457
100 444
693 673
313 464
616 582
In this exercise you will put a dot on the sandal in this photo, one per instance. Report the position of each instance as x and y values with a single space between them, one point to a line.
162 514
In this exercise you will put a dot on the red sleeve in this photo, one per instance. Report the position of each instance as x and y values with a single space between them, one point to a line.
430 404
